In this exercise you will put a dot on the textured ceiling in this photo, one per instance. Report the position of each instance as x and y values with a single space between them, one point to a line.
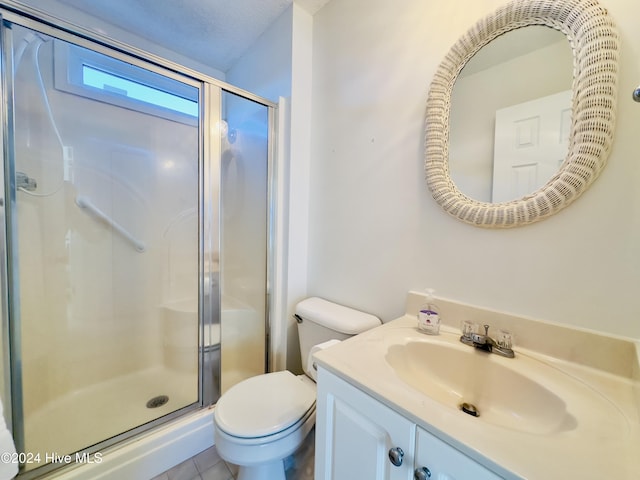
213 32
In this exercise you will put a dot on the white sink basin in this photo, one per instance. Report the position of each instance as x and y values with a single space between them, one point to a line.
522 394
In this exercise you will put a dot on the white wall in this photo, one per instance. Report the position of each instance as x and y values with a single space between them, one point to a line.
299 177
265 69
375 232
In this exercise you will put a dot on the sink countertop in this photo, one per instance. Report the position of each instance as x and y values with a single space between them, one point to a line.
593 449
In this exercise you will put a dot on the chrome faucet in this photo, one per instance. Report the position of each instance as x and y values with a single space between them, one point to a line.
488 344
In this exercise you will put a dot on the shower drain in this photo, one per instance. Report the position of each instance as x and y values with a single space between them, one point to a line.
158 401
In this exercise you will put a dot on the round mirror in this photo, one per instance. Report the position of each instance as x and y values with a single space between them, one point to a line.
511 115
467 182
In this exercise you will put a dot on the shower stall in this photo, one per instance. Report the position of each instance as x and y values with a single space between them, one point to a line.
135 236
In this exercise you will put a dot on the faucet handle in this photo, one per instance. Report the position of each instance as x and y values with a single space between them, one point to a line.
505 340
504 344
468 329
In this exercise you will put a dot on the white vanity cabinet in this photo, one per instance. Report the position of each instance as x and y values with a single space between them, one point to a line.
354 434
358 437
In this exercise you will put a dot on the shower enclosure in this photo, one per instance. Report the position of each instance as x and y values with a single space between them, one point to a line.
134 264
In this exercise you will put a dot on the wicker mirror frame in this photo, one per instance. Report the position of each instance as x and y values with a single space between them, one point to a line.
593 37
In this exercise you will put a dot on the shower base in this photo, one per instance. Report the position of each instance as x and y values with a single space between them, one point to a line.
85 417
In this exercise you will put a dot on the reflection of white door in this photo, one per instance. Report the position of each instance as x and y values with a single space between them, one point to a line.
531 142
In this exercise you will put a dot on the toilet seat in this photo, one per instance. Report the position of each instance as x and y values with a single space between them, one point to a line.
265 405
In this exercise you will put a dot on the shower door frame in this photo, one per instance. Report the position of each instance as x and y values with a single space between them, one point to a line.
209 204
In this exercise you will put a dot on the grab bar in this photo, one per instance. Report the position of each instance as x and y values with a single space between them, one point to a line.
84 203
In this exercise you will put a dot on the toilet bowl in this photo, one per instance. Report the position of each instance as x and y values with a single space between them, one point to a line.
264 419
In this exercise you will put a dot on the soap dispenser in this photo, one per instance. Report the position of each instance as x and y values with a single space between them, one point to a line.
429 315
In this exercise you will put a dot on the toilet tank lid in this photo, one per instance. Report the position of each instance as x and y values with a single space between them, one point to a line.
336 317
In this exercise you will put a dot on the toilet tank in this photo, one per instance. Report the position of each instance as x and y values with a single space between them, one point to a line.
320 320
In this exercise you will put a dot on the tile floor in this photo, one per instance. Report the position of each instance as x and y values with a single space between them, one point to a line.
208 465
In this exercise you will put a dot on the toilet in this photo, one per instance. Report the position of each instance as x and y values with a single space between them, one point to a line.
264 419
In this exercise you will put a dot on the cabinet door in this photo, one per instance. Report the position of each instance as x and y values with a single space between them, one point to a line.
445 462
354 434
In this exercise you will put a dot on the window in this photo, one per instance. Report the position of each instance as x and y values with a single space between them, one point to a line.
93 77
106 79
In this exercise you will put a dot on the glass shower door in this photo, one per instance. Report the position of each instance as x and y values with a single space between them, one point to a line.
103 233
244 226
